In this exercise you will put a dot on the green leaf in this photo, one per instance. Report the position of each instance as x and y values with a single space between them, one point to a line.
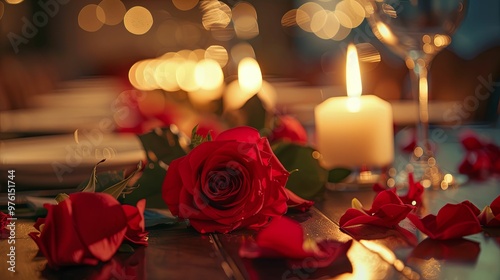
337 175
121 187
310 178
253 114
105 179
162 145
91 185
197 139
126 248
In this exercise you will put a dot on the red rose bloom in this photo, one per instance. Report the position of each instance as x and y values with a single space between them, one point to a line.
232 182
86 228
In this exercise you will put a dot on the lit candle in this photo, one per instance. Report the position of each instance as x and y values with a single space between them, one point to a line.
354 131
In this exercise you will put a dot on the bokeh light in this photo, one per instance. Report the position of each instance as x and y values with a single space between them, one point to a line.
138 20
185 5
90 18
217 53
245 20
215 14
185 75
208 74
240 51
334 24
165 32
114 11
249 75
13 2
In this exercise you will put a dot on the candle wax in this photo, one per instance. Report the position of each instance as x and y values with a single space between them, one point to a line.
354 132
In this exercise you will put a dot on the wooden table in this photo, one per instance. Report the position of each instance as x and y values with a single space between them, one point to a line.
179 252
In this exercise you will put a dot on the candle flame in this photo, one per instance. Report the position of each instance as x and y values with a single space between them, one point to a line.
249 75
353 74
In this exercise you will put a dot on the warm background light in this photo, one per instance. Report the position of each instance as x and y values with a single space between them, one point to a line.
324 21
208 74
217 53
89 18
114 11
245 20
185 5
138 20
249 75
13 2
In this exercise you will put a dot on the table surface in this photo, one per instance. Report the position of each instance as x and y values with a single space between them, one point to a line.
179 252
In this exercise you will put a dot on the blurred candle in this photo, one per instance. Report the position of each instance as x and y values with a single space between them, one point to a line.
249 83
354 131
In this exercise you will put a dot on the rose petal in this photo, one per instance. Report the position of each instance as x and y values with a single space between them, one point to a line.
135 223
452 221
271 237
470 141
172 186
102 236
387 211
241 133
60 244
296 202
271 244
495 206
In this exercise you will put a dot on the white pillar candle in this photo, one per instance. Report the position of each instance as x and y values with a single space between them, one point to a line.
354 131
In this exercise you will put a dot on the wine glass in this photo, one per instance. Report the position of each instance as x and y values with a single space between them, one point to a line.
417 30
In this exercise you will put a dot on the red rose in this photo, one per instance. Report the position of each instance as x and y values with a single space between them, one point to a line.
86 228
232 182
289 129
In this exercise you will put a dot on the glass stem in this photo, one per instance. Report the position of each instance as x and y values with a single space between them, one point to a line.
420 87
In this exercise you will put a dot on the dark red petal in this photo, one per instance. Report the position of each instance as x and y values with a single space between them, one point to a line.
61 244
240 133
353 217
100 222
470 141
495 206
383 198
271 237
135 223
452 221
172 185
296 202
